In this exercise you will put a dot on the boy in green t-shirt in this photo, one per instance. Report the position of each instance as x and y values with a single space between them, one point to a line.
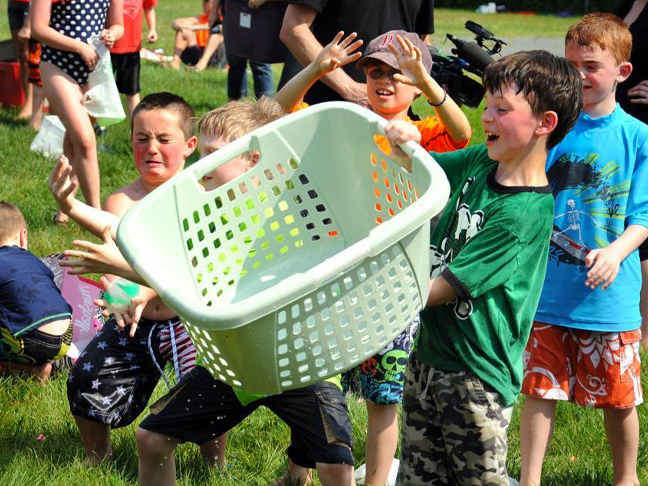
488 258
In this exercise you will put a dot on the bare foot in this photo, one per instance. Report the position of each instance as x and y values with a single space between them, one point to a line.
25 113
296 476
61 218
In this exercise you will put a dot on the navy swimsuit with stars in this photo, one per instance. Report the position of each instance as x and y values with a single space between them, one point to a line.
79 19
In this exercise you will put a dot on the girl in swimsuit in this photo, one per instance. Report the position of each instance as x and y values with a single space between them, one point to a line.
64 27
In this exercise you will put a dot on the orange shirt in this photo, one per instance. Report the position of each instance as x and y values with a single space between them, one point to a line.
434 134
131 41
202 35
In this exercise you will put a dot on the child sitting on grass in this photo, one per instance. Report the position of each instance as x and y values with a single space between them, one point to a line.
584 345
488 254
397 65
35 326
115 376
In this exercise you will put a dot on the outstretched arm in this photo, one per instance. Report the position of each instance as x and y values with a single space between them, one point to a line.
337 53
409 58
63 186
99 258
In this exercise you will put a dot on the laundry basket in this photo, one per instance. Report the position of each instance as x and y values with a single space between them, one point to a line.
302 267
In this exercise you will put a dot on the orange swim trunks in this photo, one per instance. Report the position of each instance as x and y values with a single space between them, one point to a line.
591 369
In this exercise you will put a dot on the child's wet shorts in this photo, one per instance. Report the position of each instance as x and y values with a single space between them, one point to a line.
33 347
114 377
200 409
592 369
381 378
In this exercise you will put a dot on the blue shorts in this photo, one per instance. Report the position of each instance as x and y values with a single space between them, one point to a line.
381 378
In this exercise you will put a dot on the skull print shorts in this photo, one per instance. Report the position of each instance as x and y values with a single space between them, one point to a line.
380 379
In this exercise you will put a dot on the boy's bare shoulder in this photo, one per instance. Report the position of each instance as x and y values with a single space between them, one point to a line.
123 199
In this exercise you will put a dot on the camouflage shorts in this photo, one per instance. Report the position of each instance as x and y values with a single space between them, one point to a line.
454 429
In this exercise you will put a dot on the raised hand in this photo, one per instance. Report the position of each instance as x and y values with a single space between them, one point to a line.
339 52
62 184
410 60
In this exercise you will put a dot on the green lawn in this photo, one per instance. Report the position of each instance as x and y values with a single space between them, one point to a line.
579 453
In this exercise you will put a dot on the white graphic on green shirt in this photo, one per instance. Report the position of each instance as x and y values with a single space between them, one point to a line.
464 226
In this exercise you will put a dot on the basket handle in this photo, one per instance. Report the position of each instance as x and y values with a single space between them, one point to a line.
407 148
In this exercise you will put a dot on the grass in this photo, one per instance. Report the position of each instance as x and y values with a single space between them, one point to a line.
578 455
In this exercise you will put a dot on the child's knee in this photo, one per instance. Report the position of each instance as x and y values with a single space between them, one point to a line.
153 444
335 474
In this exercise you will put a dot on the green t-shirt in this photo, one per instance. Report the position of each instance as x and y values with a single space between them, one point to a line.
491 245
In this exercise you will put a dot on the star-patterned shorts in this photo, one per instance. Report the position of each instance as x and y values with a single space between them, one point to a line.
115 375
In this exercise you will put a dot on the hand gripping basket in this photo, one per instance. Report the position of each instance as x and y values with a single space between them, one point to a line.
302 267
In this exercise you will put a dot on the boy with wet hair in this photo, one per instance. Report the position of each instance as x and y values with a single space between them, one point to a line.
487 270
35 326
584 345
116 374
397 65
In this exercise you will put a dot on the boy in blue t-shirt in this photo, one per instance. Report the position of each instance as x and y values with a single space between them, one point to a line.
35 327
584 346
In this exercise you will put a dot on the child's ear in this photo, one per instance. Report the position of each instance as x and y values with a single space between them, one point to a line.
252 159
547 123
625 69
190 146
23 238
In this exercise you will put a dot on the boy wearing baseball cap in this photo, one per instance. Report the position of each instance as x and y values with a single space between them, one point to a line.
397 65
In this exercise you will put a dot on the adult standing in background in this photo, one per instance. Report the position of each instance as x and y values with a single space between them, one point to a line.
311 24
632 95
17 11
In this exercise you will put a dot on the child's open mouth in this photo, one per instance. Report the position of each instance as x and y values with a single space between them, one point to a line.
491 137
383 92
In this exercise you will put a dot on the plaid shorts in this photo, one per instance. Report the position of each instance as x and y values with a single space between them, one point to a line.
589 368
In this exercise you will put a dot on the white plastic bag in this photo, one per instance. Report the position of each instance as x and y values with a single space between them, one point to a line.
102 99
49 139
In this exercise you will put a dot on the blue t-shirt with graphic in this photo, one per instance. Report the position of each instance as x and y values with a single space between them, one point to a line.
599 178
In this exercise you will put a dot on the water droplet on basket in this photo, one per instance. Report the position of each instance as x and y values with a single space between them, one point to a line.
188 400
161 464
